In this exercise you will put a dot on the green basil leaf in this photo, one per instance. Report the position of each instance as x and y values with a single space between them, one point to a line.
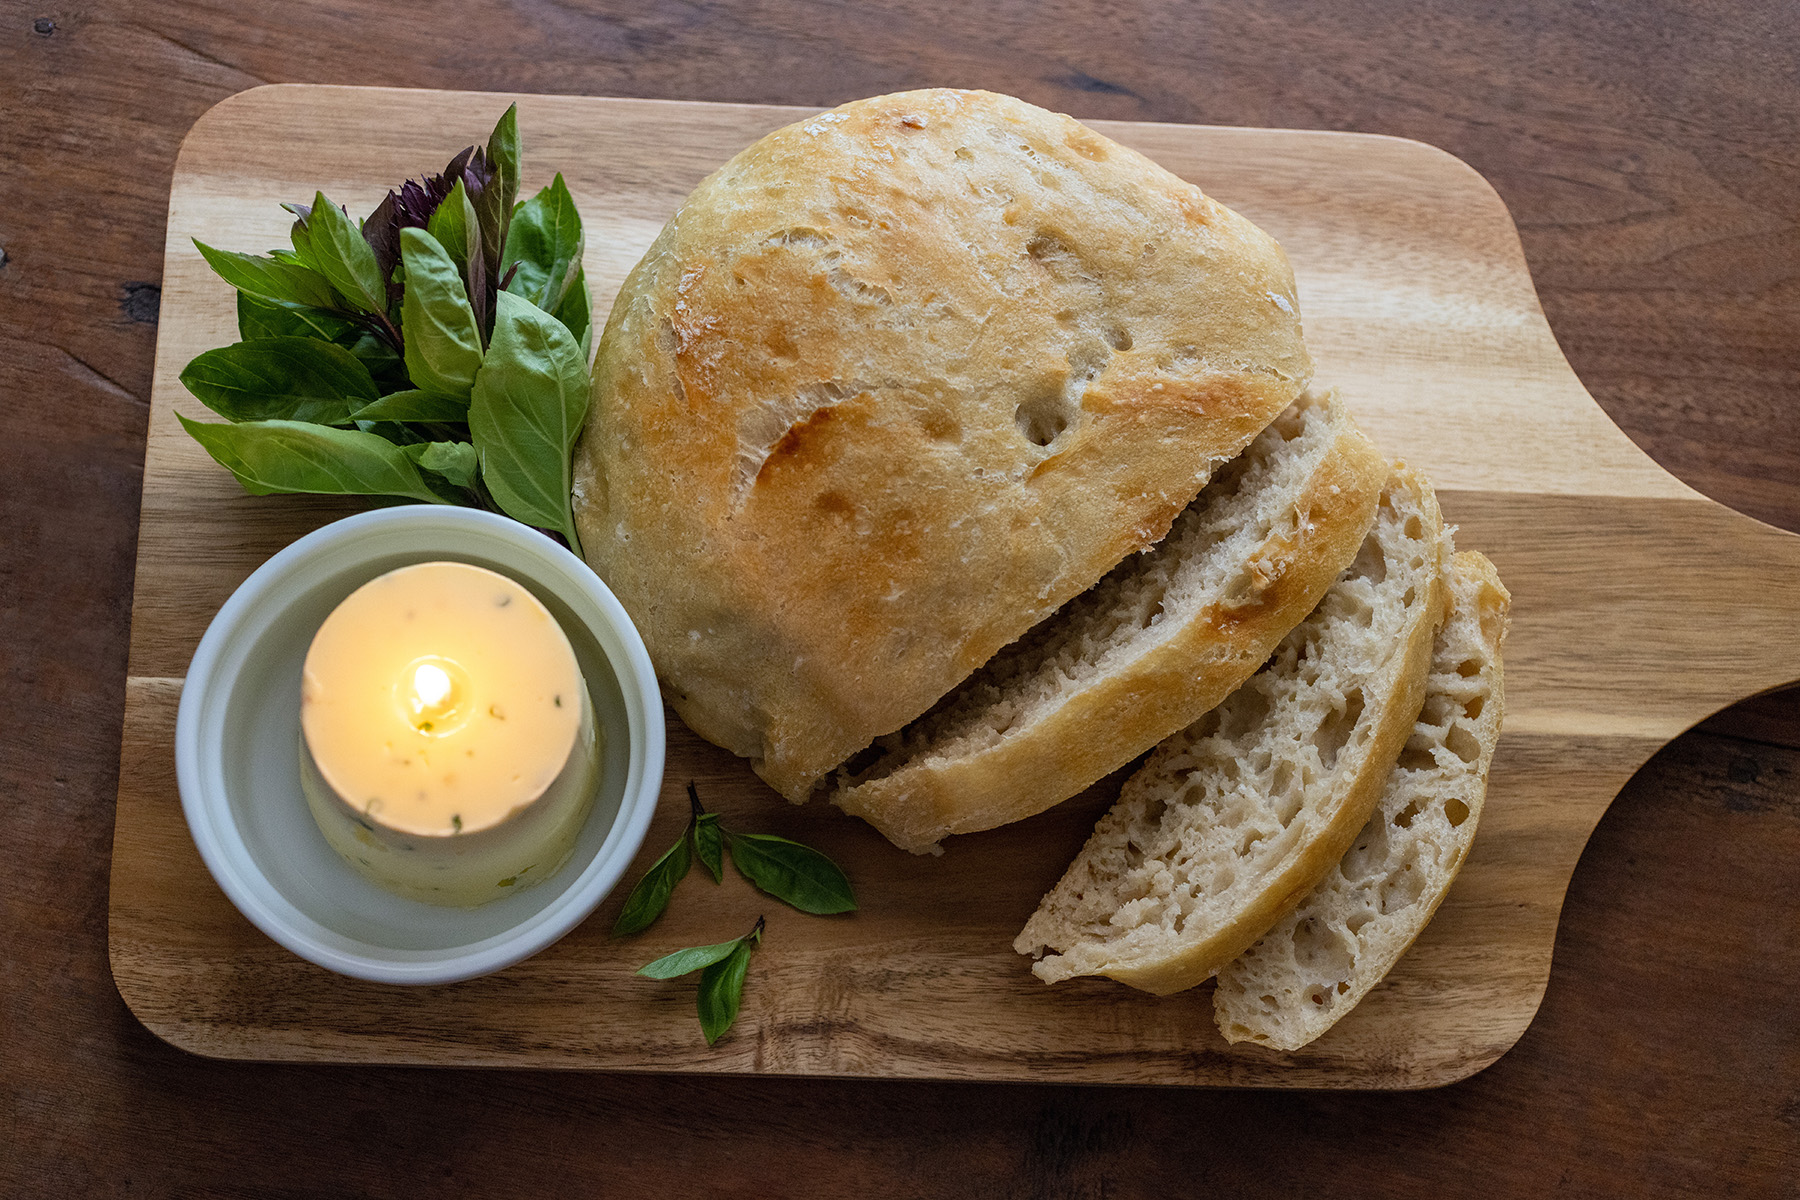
288 257
651 895
414 405
281 378
276 457
686 962
545 245
455 461
443 343
271 278
574 313
525 412
342 255
503 160
458 230
709 845
722 992
266 319
792 873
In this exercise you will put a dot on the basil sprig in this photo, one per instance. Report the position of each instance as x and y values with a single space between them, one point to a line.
722 969
794 874
435 351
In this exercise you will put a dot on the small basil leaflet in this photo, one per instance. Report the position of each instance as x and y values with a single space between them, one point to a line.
792 873
722 967
455 461
686 962
651 895
709 842
722 988
363 345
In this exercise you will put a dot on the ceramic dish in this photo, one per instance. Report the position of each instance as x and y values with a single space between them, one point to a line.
237 752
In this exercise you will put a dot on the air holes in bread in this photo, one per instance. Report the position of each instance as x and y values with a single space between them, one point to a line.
1462 743
1336 728
1416 758
1043 417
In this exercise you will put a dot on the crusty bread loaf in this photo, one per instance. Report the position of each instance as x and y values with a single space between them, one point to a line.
1232 820
895 383
1162 639
1317 962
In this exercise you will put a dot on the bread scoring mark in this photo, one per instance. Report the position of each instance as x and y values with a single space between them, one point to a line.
799 235
777 428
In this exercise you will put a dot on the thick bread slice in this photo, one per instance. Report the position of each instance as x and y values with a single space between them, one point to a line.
1162 639
895 383
1322 958
1235 818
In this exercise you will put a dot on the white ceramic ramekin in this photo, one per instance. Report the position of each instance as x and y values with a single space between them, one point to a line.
237 750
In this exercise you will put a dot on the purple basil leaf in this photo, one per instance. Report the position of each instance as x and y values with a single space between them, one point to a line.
382 232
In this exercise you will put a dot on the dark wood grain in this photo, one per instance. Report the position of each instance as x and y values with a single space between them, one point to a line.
1646 152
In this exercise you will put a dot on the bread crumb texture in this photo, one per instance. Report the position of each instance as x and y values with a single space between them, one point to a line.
895 383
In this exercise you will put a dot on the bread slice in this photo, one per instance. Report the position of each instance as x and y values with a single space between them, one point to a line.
1234 819
1162 639
1319 960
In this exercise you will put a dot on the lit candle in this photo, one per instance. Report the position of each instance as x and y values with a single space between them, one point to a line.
448 748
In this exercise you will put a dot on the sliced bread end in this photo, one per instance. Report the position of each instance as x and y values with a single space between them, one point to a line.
1232 820
1317 962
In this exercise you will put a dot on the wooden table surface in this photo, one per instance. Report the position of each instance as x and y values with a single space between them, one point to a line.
1647 152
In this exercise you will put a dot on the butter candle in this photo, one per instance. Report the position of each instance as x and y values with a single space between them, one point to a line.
449 749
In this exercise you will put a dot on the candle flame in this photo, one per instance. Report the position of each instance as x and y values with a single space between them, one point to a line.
431 684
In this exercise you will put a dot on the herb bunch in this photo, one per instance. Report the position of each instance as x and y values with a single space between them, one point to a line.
796 875
435 351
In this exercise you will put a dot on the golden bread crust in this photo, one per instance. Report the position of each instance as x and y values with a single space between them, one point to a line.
896 382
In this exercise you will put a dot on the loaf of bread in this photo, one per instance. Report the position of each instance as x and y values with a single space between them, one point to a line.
1234 819
1162 639
1317 962
894 384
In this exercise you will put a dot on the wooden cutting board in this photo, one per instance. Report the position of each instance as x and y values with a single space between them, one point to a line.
1639 608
